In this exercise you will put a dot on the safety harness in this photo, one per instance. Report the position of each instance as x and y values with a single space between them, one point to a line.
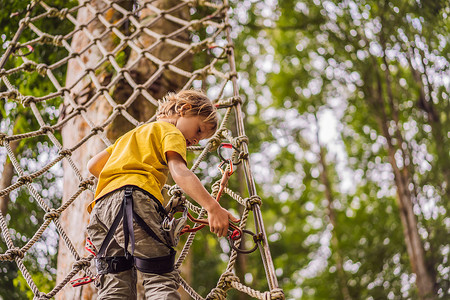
116 264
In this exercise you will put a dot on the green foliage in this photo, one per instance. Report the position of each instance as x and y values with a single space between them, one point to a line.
44 283
340 56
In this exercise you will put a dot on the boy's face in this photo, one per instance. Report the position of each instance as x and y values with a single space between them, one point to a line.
193 129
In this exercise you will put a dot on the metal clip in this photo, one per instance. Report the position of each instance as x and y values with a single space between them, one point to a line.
256 238
228 146
173 226
101 265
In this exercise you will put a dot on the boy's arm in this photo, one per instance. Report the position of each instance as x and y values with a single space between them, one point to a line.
189 183
95 164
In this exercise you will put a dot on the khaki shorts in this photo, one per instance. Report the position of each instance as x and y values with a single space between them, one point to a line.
123 285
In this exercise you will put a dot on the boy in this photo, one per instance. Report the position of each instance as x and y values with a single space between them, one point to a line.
131 175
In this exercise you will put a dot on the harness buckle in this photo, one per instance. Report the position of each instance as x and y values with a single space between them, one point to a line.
113 264
128 192
102 265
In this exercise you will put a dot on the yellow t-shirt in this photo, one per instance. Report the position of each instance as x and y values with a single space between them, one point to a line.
139 158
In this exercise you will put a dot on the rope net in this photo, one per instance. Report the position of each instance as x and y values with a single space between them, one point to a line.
118 58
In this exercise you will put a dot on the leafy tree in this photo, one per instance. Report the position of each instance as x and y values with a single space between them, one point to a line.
354 59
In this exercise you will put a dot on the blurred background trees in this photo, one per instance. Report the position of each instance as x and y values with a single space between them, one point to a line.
348 119
354 155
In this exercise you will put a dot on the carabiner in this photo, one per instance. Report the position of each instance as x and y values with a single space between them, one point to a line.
256 239
228 146
222 170
170 219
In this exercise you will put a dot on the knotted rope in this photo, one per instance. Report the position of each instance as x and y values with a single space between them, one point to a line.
25 58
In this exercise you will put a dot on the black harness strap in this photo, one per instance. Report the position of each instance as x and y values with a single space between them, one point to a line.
116 264
128 220
110 234
157 265
112 264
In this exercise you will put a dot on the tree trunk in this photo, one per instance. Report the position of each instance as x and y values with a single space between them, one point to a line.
425 103
75 217
325 179
5 181
425 282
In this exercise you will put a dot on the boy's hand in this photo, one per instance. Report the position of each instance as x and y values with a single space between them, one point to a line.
218 219
191 185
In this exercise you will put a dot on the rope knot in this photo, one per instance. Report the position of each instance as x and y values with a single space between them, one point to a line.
227 278
12 94
65 152
25 179
276 294
236 99
103 89
243 155
85 184
79 264
220 292
27 100
46 39
80 108
232 74
141 87
120 107
46 129
53 12
165 64
64 90
2 138
25 21
14 253
215 141
241 139
63 13
29 66
42 69
249 202
97 129
217 294
57 40
175 190
52 214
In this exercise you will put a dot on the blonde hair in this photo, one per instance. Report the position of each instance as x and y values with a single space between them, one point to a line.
197 103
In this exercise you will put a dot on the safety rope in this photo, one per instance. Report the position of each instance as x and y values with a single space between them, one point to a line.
214 38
